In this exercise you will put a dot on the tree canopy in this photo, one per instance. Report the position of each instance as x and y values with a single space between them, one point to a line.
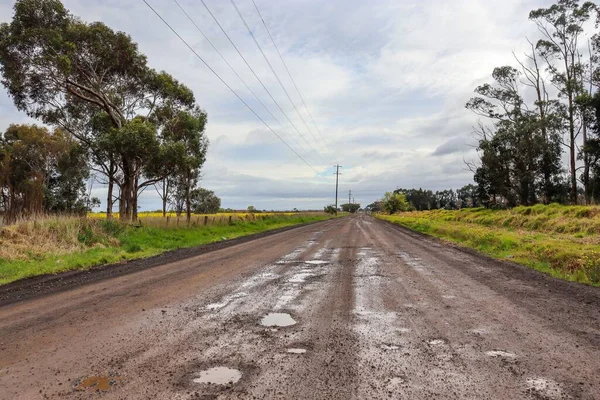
138 125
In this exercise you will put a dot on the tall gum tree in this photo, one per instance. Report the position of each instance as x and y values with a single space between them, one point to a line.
69 73
561 26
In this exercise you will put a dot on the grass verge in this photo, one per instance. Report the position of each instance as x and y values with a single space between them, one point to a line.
562 241
58 244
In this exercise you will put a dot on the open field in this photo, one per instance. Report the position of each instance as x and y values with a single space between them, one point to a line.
563 241
56 244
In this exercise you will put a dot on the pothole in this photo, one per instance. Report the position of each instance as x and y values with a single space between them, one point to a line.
96 383
296 351
219 376
500 353
277 319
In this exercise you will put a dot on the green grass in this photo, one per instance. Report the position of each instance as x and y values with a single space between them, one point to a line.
61 244
562 241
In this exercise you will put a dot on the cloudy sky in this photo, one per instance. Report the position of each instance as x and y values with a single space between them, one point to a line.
386 83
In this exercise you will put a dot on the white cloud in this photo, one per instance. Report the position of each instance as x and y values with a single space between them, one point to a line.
386 82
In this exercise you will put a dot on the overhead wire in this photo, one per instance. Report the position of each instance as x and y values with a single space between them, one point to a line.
258 78
292 79
227 85
273 71
243 81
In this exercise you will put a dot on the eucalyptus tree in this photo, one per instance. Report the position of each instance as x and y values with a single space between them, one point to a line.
561 27
41 171
517 151
95 84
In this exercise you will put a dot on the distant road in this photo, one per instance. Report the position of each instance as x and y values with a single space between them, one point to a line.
346 308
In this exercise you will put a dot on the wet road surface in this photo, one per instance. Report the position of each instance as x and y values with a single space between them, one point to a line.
347 308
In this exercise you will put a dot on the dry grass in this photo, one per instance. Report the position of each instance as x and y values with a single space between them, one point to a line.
51 235
53 244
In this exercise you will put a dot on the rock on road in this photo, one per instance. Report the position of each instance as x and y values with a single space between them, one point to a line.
369 311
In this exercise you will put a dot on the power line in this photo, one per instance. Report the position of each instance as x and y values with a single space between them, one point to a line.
256 76
240 78
273 70
292 78
225 83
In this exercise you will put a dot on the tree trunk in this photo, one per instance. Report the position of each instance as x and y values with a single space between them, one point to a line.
586 165
125 203
134 201
188 205
109 198
165 196
572 154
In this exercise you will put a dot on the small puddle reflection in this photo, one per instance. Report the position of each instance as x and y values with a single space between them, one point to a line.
277 319
296 351
436 342
389 347
316 262
97 383
219 376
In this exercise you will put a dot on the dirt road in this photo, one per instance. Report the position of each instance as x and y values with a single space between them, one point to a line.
347 308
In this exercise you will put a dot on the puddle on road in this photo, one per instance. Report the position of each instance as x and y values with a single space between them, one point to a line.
296 351
449 297
97 383
277 319
219 376
316 262
389 347
500 353
403 330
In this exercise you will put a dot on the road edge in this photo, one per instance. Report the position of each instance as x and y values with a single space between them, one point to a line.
578 289
46 284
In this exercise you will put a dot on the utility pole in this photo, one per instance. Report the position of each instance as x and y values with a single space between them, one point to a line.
349 196
337 174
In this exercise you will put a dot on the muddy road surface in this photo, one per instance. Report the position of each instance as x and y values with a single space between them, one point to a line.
352 308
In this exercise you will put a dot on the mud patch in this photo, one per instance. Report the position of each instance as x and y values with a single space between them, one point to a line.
225 301
544 388
96 383
277 319
219 376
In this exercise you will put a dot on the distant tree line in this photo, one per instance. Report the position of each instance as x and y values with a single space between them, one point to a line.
423 199
532 112
110 114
